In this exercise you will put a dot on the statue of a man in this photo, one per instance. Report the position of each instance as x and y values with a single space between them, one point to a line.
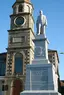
41 24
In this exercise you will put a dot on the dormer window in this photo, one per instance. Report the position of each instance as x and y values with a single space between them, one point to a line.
20 8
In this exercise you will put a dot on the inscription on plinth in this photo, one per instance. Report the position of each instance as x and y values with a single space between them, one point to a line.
39 79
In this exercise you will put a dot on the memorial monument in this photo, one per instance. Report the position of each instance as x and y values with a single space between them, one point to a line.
41 78
41 23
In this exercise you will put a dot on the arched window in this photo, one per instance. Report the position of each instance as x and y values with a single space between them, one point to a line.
28 8
20 8
19 63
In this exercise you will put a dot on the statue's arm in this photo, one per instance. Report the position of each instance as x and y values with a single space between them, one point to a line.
46 20
37 21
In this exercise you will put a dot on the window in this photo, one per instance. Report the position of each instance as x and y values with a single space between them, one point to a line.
50 56
10 40
14 10
4 87
2 68
19 63
20 8
28 8
23 39
53 57
3 81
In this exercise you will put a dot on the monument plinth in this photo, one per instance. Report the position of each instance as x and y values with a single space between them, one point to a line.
41 49
46 92
41 78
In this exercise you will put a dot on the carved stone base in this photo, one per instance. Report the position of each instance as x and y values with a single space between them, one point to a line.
41 77
39 93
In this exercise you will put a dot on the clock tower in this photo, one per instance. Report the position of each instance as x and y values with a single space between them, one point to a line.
20 49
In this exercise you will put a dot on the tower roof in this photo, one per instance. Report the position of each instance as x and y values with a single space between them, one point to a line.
23 0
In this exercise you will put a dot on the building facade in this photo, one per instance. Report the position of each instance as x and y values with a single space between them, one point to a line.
54 59
20 49
2 71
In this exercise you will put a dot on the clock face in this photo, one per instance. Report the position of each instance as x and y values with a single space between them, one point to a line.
19 21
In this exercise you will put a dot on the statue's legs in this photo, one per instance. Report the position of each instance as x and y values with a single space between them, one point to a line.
43 30
38 29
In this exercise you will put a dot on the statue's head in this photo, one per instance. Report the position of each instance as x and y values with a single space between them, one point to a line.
41 12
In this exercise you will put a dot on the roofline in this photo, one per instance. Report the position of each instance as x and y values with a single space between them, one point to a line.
52 50
56 53
4 53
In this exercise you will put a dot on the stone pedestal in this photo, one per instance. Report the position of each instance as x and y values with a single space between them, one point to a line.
40 80
40 93
41 47
40 77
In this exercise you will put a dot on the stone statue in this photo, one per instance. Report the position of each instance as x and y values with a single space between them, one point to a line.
41 24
